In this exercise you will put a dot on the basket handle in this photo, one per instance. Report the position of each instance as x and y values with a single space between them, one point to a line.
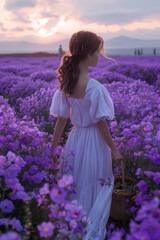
122 168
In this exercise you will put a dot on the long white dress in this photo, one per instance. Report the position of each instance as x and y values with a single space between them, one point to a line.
92 156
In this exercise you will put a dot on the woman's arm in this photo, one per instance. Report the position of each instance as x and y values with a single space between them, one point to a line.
104 130
59 127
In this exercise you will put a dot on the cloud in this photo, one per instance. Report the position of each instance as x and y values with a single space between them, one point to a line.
118 17
18 29
2 28
115 11
54 19
111 18
30 29
48 14
21 19
17 4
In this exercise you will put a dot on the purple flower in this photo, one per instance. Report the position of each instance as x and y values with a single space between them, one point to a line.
138 172
78 229
38 177
41 201
117 236
73 224
16 167
156 177
72 153
17 187
151 226
58 195
66 181
147 208
25 176
33 169
133 209
74 213
16 224
10 173
4 221
142 185
20 161
63 231
148 173
11 182
140 198
28 159
111 226
2 160
10 236
134 227
71 167
46 229
36 142
101 181
45 189
57 150
54 209
25 140
156 214
140 235
62 225
6 206
11 156
22 195
138 153
156 192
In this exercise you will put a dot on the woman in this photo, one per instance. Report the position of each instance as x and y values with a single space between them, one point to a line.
88 103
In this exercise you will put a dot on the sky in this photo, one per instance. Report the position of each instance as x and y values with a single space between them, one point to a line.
46 21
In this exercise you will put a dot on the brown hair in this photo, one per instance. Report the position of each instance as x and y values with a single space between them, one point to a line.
81 44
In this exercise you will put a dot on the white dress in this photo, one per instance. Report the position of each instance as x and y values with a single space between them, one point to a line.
92 159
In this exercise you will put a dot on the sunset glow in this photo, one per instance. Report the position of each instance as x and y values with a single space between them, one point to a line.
57 20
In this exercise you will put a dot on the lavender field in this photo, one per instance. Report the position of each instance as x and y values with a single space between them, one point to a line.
33 192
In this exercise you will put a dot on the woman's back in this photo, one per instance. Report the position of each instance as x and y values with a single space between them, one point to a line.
80 88
96 104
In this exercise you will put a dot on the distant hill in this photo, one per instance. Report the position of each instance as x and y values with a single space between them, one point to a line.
29 47
126 42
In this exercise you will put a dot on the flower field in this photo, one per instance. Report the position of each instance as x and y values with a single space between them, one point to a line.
33 190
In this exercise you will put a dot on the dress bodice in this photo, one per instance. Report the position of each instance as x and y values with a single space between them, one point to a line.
87 111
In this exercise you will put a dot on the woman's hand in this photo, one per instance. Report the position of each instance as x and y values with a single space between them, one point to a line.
53 170
116 156
53 157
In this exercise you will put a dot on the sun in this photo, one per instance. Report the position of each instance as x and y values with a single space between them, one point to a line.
43 22
43 33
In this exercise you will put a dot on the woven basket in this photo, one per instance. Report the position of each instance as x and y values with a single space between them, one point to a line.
119 207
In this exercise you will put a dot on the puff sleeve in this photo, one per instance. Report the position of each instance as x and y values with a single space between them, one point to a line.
101 105
60 105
